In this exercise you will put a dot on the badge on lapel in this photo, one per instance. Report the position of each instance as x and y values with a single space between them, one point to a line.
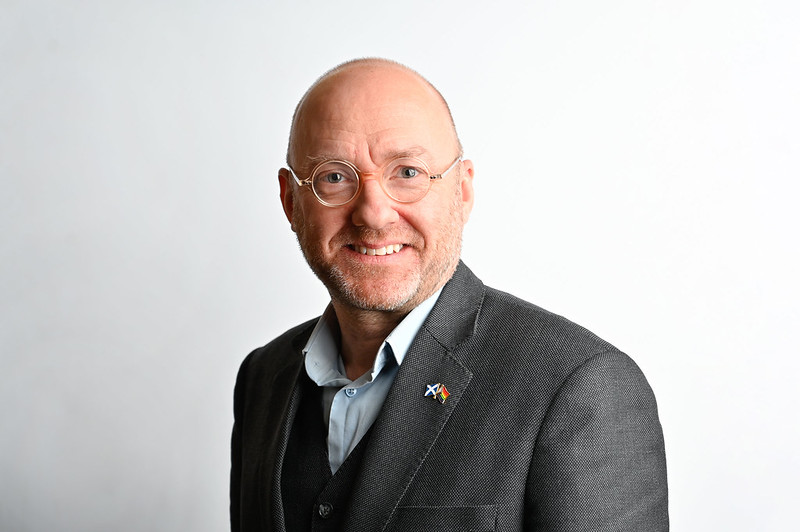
437 391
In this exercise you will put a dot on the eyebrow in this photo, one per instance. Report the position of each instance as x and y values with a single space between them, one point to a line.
411 151
310 161
313 160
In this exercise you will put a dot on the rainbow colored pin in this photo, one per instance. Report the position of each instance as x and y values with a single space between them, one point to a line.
437 391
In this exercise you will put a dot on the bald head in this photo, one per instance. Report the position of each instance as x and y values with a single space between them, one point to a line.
368 90
376 253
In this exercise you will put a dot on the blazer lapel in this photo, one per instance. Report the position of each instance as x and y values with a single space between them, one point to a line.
410 422
274 465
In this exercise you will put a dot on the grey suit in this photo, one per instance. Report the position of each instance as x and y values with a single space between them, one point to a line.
547 428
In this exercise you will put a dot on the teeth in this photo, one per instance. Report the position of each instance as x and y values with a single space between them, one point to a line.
387 250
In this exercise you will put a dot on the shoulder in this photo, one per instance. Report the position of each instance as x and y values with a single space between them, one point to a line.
531 329
269 372
284 350
494 333
544 352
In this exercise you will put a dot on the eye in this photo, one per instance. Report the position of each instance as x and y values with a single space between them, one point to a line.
408 172
333 178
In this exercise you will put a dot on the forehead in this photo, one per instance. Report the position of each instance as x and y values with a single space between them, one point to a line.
372 114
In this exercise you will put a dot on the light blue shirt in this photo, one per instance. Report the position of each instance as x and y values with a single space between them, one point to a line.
350 407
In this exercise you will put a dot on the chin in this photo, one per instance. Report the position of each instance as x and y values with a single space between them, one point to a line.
381 295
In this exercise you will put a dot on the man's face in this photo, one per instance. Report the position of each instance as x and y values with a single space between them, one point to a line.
376 253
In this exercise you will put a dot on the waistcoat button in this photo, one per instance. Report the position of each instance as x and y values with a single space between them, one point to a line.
325 510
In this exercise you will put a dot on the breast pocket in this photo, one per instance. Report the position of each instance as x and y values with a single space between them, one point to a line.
444 519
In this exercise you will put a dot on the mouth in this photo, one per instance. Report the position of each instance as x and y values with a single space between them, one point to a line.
385 250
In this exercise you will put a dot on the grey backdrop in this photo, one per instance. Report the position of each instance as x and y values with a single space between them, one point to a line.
636 171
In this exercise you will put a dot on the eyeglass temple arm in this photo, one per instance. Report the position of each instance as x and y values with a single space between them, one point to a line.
441 175
300 182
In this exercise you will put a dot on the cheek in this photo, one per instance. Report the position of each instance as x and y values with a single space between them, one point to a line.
319 224
440 218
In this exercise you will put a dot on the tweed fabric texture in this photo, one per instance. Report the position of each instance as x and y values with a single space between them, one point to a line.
547 428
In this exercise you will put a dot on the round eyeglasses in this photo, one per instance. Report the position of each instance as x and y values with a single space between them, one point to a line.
404 179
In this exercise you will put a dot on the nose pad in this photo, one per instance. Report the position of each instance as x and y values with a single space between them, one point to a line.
370 176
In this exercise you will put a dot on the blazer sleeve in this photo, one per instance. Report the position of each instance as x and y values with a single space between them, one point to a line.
599 460
236 450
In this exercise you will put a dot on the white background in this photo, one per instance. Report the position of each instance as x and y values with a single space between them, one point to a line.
637 170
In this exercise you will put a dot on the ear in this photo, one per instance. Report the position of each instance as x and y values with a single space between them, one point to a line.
467 192
287 194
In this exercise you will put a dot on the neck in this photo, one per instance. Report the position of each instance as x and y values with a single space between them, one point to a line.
362 333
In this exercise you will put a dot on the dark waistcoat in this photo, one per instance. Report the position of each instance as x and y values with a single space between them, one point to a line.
313 498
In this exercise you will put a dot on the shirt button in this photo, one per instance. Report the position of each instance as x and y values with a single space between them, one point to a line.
325 510
350 392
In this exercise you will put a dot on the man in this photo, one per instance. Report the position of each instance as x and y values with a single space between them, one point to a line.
421 399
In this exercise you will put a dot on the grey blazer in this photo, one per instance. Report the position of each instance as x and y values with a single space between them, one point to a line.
547 428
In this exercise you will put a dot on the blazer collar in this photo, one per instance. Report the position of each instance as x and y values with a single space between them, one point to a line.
409 422
288 392
454 317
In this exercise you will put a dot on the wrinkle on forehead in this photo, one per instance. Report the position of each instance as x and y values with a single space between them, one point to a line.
310 161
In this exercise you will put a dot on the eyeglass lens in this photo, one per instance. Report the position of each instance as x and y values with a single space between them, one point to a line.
406 179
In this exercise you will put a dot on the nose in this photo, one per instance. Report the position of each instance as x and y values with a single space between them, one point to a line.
373 208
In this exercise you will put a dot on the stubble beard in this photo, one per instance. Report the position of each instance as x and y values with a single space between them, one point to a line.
362 286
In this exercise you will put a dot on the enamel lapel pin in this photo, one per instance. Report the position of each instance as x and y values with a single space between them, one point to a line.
437 391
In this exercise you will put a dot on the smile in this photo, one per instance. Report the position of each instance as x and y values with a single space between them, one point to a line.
386 250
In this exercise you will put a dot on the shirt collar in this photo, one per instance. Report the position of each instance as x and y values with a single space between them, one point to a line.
321 352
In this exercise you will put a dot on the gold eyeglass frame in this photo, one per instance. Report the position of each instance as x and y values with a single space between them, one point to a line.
360 176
